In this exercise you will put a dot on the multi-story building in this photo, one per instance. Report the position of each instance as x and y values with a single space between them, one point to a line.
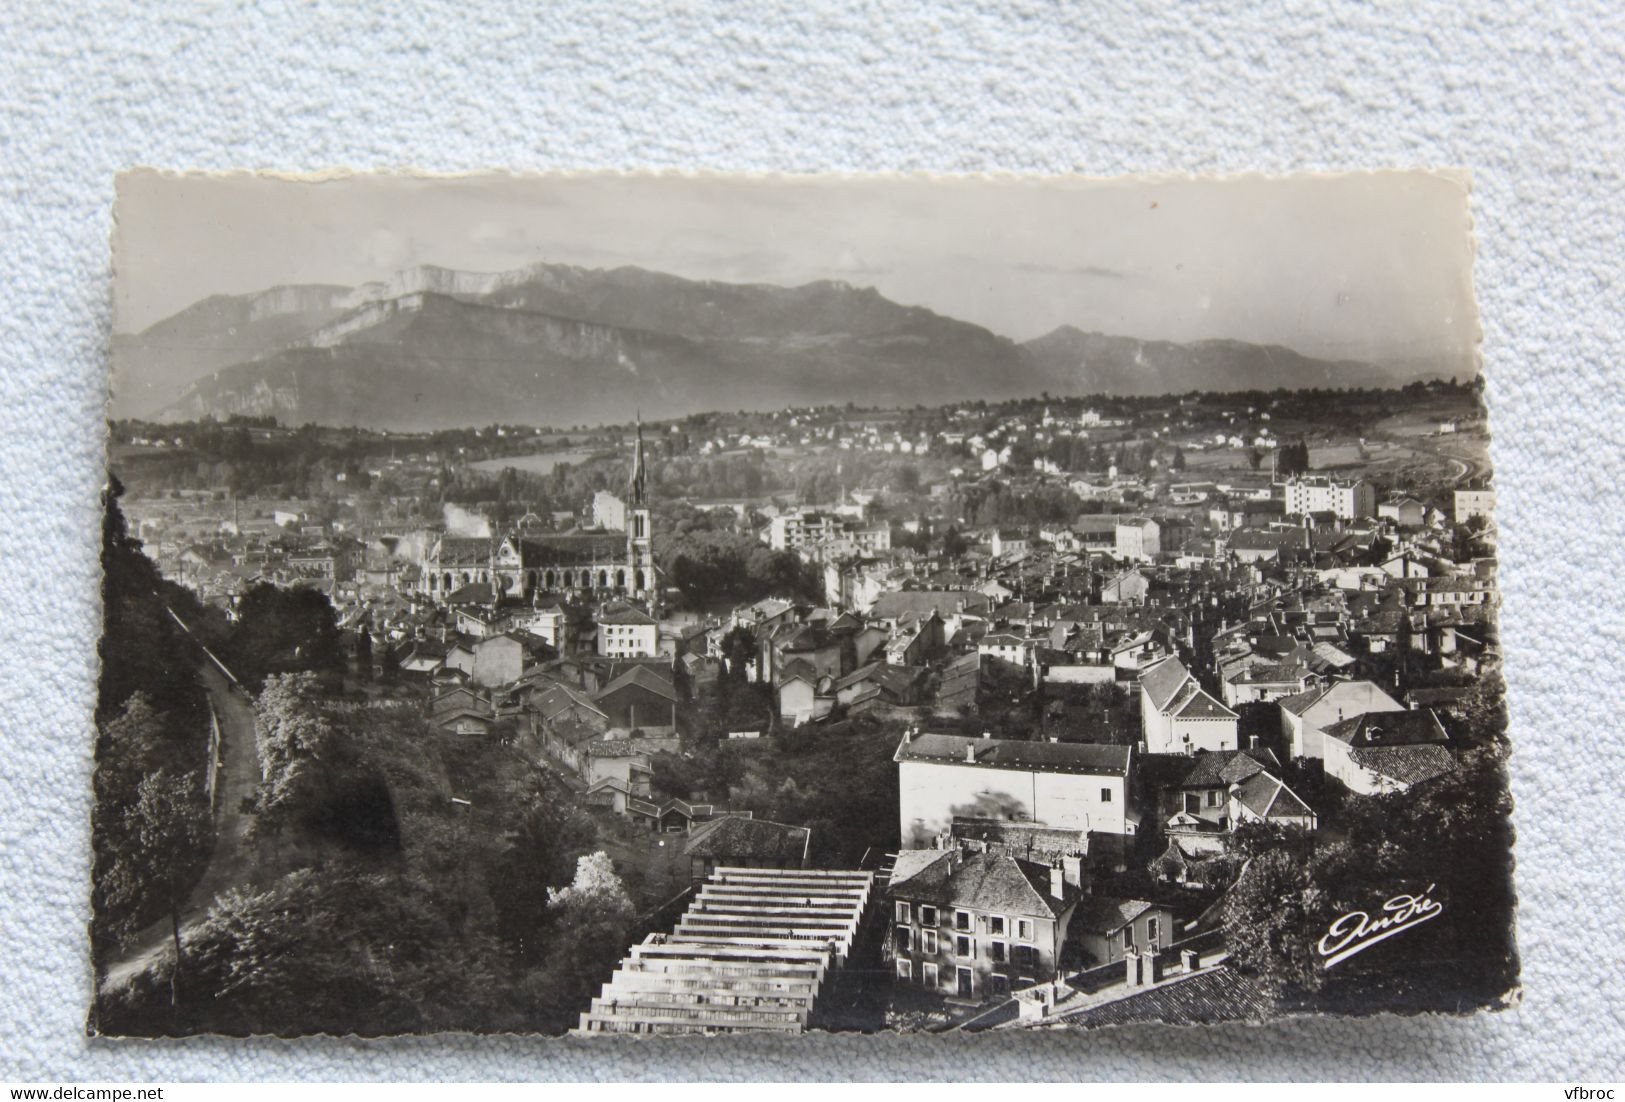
1474 503
1138 539
627 632
971 925
1177 716
1319 494
1068 786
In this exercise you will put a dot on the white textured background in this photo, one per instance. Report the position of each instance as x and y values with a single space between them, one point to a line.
1528 98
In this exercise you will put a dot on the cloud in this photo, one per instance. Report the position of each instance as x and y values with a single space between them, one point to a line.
1094 271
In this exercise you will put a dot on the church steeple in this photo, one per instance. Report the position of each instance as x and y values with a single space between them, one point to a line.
637 489
640 530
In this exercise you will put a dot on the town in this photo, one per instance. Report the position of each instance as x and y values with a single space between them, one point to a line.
1056 711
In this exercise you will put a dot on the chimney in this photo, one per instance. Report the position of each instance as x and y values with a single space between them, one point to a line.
1055 738
1189 960
1131 959
1151 967
1252 742
1057 882
987 734
970 752
1072 869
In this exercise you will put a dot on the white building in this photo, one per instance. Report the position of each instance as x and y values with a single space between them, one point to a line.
1139 539
1177 716
1065 786
1318 494
1474 503
1305 717
627 632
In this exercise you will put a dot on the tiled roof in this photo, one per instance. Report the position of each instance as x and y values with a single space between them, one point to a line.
1220 995
1104 914
1038 757
986 882
644 678
1401 728
1211 768
1269 798
1194 703
1163 680
736 837
1405 764
627 615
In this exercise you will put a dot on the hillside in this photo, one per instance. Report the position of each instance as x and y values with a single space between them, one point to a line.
1072 361
150 368
554 344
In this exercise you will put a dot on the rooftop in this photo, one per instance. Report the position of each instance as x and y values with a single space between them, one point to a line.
1038 757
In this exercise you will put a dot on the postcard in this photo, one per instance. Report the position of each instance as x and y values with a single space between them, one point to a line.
638 604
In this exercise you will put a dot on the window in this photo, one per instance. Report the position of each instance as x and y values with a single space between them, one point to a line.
928 915
1213 798
995 924
902 913
997 950
961 920
1024 929
928 976
1128 936
904 941
964 946
905 970
1105 795
1000 984
1027 958
1193 803
928 942
1152 929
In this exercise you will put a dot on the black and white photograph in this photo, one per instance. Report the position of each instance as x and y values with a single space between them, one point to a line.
665 603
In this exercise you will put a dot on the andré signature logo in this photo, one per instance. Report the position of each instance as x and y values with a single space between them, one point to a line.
1358 931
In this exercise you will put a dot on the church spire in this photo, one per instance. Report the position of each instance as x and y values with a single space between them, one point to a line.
637 491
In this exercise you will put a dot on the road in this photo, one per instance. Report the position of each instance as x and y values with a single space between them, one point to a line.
229 861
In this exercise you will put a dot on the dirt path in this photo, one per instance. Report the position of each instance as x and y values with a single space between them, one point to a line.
229 862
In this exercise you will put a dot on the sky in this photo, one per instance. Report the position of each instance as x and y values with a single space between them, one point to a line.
1374 266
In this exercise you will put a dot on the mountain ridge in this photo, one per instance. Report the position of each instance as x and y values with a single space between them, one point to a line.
560 344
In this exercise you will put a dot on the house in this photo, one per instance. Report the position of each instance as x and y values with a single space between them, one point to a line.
1403 510
740 842
1069 786
1008 647
620 761
1138 539
799 699
1010 541
975 925
627 632
1177 716
1106 928
640 700
1128 588
1382 752
1306 715
1261 682
498 660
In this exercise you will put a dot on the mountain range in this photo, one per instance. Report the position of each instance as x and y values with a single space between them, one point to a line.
554 344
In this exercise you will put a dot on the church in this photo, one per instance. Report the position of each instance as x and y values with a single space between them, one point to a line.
595 564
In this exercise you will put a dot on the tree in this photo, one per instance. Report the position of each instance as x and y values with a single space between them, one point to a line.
284 631
1269 916
589 926
169 830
